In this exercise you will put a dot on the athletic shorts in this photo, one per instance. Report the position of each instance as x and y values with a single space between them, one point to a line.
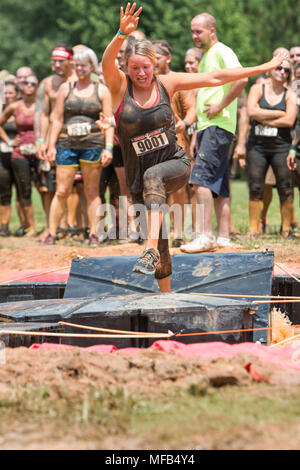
77 157
210 169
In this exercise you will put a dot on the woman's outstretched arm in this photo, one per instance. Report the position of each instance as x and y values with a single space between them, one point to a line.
189 81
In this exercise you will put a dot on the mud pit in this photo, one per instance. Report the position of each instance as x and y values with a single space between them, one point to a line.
68 375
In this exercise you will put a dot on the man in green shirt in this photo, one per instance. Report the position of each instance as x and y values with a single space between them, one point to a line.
216 125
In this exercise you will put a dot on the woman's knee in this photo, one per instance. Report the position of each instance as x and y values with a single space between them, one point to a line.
285 193
25 200
154 192
6 191
91 191
63 192
256 191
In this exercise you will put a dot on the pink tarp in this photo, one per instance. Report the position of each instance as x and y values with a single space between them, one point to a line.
287 357
38 275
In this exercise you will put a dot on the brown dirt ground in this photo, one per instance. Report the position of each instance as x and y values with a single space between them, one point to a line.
71 373
149 370
29 253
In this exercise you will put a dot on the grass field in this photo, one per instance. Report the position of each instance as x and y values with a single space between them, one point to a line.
239 204
258 416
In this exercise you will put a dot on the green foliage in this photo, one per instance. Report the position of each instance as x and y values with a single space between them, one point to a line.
273 24
30 29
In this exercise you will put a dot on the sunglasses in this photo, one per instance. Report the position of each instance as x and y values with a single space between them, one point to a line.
286 69
26 82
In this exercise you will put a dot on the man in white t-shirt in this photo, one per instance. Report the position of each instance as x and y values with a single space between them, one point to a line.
216 125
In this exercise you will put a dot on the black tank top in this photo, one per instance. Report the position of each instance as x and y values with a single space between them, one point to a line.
81 110
147 135
10 129
257 131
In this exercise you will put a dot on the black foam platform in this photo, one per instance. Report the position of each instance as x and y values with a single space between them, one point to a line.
17 291
246 273
153 313
104 292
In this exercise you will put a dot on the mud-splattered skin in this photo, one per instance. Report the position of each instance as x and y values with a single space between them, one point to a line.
154 168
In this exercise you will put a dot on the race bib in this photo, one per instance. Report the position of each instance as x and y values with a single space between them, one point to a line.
154 140
5 148
28 150
78 129
266 131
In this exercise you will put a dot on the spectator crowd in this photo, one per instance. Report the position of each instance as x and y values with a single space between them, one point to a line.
60 135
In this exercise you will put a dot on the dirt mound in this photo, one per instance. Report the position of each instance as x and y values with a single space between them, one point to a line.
64 377
73 370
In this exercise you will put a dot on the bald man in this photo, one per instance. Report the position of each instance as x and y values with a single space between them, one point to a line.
216 125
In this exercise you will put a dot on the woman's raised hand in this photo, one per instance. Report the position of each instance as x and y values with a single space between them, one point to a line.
130 19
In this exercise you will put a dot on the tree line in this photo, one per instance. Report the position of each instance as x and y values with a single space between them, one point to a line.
29 29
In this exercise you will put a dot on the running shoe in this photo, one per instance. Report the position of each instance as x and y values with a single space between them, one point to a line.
177 242
20 232
30 232
147 263
49 240
94 240
223 242
4 231
61 233
72 231
200 244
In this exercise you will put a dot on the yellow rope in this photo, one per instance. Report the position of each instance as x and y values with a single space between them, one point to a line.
287 272
82 335
247 296
284 341
276 301
86 327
